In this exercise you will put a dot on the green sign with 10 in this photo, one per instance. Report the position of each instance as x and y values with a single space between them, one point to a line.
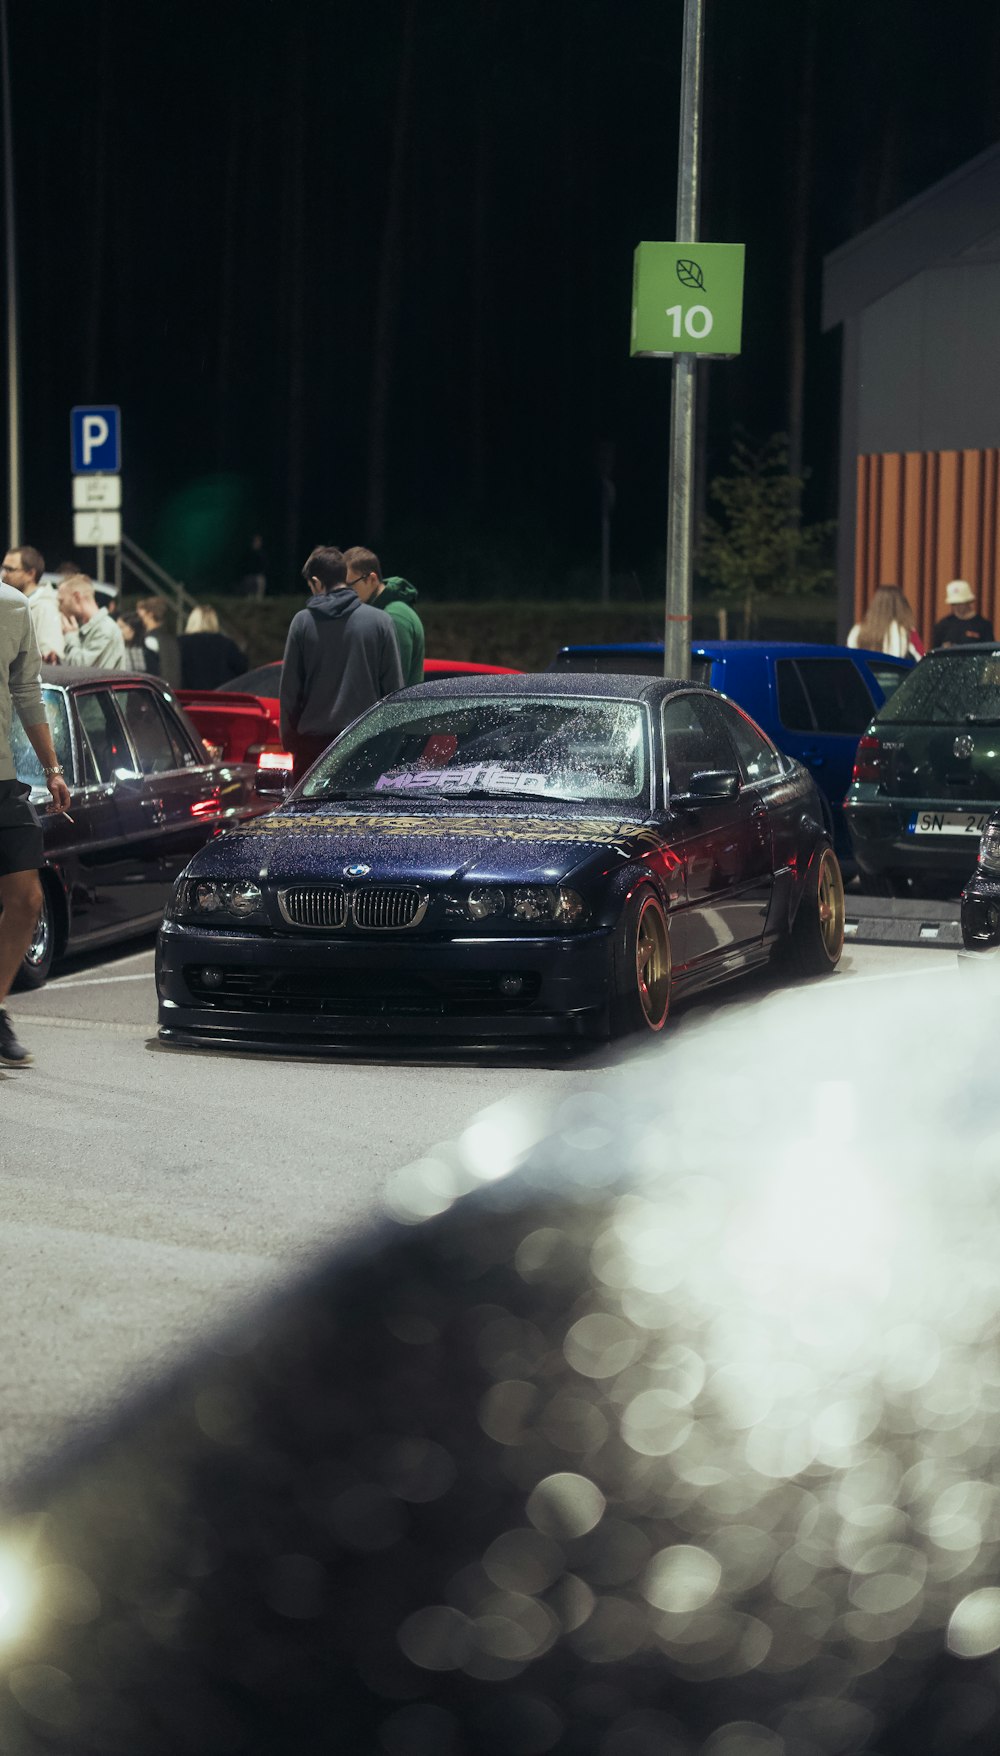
687 299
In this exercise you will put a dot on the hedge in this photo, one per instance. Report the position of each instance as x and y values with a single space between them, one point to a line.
527 635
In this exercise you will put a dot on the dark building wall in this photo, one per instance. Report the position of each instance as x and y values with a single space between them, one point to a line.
929 363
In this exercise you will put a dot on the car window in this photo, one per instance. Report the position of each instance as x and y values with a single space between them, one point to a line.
564 747
837 695
758 758
265 680
154 746
106 751
888 677
26 763
183 753
794 710
694 740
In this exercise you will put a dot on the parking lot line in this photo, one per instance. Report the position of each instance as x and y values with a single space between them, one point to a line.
143 975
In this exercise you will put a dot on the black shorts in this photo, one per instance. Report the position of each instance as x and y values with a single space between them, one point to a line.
22 846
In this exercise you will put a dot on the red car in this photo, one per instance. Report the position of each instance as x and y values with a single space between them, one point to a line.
241 720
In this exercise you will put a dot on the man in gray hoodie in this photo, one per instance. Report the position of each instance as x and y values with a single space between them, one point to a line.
340 658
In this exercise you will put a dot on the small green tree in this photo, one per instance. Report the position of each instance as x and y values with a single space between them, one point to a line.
759 544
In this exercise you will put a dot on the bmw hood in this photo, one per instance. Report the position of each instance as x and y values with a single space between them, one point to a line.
426 847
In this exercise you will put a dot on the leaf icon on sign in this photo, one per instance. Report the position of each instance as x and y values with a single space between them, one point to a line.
689 274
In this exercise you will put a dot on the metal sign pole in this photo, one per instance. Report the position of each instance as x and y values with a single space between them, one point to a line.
680 524
13 359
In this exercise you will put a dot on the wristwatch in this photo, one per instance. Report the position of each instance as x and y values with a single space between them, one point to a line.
55 769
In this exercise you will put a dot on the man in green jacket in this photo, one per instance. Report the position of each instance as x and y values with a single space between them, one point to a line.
396 597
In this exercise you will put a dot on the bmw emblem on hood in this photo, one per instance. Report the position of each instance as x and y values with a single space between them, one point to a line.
356 871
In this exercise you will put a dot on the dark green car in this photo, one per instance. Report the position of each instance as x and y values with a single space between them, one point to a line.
927 774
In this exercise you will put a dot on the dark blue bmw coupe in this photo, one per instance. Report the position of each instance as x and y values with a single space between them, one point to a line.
504 858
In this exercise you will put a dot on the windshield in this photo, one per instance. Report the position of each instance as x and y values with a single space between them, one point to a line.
947 691
26 763
536 748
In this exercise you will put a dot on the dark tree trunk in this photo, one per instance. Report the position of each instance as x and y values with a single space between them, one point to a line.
98 177
227 294
803 153
293 439
390 280
480 263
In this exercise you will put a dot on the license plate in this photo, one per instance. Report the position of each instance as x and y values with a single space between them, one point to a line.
948 823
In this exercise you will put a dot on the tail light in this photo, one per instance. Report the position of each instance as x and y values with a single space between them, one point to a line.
275 760
274 765
868 759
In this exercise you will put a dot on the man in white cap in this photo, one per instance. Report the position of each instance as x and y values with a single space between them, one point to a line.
961 623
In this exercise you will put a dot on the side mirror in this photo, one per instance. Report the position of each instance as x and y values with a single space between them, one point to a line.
707 787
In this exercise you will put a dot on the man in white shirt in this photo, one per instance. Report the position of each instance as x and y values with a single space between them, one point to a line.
93 638
23 569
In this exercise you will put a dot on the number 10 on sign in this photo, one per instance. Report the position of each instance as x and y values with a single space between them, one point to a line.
687 299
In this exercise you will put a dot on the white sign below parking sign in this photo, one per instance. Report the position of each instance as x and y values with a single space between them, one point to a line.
97 493
97 530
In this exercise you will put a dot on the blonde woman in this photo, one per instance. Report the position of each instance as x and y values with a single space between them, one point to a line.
208 657
888 626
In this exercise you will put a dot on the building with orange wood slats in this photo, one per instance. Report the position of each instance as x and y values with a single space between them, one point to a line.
918 296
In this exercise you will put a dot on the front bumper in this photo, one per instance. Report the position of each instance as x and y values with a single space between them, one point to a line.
882 842
298 991
981 912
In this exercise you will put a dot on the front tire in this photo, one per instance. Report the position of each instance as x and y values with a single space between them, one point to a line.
37 961
642 967
817 937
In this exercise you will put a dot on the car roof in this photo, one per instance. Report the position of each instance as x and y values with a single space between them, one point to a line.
728 648
574 683
952 652
70 676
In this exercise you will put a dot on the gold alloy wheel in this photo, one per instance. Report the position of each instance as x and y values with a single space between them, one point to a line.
830 902
652 964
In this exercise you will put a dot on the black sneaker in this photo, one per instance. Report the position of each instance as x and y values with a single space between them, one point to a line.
12 1053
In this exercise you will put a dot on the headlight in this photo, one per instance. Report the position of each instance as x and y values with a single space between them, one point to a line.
485 902
989 849
207 899
537 902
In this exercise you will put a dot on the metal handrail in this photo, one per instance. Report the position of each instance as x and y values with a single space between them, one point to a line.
154 577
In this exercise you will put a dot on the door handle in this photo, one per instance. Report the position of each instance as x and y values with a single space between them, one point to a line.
814 759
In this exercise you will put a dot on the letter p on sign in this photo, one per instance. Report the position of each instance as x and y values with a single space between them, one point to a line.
95 433
96 440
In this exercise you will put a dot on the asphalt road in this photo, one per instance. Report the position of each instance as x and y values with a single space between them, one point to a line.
145 1191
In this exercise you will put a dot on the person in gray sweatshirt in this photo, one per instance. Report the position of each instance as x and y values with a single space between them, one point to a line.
341 657
21 846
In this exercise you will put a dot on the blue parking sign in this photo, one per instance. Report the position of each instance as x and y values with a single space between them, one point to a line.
96 435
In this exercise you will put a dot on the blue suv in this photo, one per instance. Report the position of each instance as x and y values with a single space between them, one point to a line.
814 702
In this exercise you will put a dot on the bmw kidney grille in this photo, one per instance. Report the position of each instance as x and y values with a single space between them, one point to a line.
374 908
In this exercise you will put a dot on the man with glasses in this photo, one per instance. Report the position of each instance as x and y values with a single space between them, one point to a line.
397 597
23 568
21 848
